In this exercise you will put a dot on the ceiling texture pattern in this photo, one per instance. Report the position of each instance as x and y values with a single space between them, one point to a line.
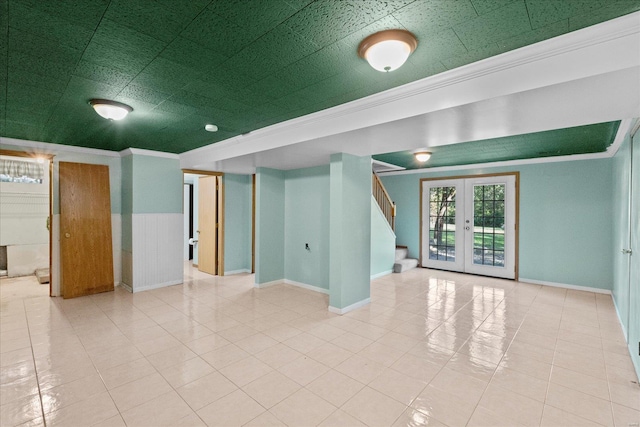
242 65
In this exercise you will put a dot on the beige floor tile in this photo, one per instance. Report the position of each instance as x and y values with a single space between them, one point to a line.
75 391
483 417
18 389
266 419
245 371
360 369
526 365
303 370
374 408
443 406
626 394
516 407
464 386
256 343
398 386
224 356
278 355
183 373
173 356
335 388
115 421
341 419
271 389
624 416
237 333
303 408
351 342
414 418
139 391
16 356
164 410
304 342
580 382
206 390
477 368
432 353
191 420
330 354
553 417
235 409
20 411
520 383
580 404
381 353
206 344
91 411
127 372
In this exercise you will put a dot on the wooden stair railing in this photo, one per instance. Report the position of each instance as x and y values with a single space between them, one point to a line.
384 201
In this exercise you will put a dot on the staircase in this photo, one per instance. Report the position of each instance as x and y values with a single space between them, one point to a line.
402 263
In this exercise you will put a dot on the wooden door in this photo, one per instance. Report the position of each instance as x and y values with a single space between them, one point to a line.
207 221
86 254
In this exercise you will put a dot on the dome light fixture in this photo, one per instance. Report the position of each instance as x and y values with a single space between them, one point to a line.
211 128
422 156
110 110
387 50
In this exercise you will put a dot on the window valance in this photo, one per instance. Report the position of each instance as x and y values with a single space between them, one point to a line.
20 171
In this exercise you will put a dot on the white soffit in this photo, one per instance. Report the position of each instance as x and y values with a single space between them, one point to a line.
584 77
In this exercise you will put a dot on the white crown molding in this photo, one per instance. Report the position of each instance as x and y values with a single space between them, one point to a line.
599 49
625 126
50 148
140 151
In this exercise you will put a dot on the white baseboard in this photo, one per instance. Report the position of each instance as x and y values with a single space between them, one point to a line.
566 286
350 307
155 286
127 287
267 284
306 286
379 275
624 329
232 272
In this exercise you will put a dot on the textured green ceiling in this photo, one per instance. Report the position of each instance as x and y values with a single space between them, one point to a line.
577 140
241 64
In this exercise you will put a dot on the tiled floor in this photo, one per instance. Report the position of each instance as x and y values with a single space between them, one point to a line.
432 348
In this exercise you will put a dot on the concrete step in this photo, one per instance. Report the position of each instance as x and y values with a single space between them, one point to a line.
404 265
401 253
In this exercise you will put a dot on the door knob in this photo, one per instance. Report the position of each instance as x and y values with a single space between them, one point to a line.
627 251
467 228
67 235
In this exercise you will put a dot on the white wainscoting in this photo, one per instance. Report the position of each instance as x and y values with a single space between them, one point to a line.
157 250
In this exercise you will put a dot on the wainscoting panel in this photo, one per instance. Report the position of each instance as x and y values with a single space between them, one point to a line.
157 250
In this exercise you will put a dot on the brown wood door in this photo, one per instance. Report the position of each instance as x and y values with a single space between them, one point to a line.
86 255
207 238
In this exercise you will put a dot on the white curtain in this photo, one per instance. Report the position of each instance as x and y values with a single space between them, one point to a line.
19 169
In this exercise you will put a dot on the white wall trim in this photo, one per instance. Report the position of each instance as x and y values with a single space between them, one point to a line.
267 284
232 272
350 307
130 151
381 274
50 148
126 287
306 286
566 286
157 285
624 330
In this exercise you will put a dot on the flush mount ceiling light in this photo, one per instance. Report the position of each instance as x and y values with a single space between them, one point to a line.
110 110
422 156
387 50
211 128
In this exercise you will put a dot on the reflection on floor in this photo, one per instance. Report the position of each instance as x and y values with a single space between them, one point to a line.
191 272
432 348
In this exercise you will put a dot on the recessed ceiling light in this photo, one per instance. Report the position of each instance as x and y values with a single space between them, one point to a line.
110 110
388 50
211 128
422 156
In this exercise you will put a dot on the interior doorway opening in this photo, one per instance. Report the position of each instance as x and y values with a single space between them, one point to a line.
25 216
203 203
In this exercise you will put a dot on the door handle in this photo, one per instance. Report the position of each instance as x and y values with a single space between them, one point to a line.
627 251
467 228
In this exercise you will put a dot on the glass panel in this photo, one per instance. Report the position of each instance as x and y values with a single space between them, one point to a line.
442 223
488 221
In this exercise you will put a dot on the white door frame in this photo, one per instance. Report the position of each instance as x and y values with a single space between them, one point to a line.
511 221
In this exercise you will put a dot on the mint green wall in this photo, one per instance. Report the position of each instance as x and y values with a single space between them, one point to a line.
306 220
237 222
349 230
157 185
127 202
269 225
383 242
565 218
621 181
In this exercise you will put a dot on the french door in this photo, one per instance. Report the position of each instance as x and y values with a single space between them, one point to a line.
469 224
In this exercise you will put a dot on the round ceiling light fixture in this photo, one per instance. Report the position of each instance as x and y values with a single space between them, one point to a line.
388 50
422 156
211 128
110 110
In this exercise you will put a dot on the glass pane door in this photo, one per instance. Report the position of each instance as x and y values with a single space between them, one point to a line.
442 239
